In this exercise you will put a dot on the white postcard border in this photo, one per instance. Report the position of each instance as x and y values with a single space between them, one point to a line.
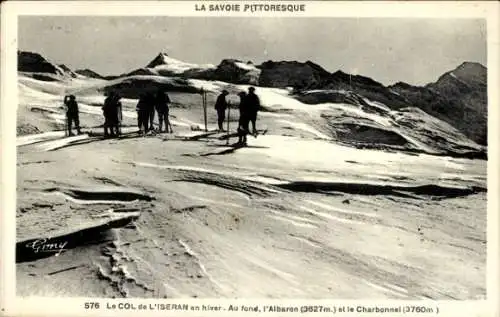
16 306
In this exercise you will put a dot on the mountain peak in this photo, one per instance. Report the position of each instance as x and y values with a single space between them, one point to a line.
471 65
466 74
160 59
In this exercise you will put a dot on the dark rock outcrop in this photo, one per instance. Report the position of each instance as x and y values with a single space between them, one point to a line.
237 72
299 75
132 87
458 97
366 87
34 63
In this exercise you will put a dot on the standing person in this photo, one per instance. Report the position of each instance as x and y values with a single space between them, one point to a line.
244 120
117 115
142 114
162 101
151 110
221 106
112 110
72 113
253 108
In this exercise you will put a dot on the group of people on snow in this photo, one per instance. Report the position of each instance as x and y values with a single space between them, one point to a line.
148 103
249 107
112 111
159 101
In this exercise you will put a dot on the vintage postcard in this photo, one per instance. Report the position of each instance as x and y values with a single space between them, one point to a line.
249 158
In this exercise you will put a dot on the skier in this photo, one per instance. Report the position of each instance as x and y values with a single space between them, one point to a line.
72 113
243 120
162 101
117 115
151 102
221 106
142 113
253 108
112 109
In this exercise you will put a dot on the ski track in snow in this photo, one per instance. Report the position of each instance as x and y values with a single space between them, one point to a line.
330 217
293 222
307 128
386 289
343 211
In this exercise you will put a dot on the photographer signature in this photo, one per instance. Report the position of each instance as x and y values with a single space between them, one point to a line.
44 245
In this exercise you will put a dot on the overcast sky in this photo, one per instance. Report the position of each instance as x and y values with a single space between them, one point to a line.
416 51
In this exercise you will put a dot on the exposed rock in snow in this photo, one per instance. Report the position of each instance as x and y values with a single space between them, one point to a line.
237 72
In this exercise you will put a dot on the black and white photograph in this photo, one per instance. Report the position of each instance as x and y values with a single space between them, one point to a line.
171 157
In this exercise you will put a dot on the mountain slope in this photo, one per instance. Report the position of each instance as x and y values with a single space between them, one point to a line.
458 97
88 73
295 74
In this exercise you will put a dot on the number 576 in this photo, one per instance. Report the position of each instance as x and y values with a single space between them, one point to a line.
91 305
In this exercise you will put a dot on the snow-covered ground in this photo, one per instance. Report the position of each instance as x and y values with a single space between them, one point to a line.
294 214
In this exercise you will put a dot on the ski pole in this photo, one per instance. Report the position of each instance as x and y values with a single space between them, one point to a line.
66 116
205 109
228 119
170 125
120 122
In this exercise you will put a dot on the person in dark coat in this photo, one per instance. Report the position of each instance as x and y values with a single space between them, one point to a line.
142 109
253 108
162 101
221 106
151 102
117 115
72 113
112 109
244 119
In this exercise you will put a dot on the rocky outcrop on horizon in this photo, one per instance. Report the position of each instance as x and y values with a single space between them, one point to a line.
37 67
295 74
237 72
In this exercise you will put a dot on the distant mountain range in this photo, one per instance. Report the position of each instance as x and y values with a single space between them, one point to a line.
458 97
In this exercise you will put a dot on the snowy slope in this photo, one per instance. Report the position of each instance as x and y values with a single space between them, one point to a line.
302 212
256 222
352 119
